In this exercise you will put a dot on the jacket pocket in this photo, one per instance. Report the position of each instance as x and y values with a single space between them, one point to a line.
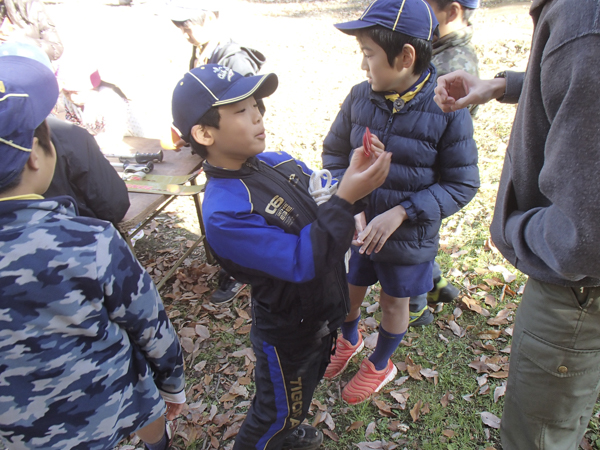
554 383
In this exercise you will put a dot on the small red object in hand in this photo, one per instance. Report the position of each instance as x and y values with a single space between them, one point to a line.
367 142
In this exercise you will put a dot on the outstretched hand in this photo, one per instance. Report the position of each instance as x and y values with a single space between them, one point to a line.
173 410
365 173
460 89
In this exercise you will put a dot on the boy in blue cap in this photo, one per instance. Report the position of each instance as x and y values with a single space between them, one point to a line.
433 175
267 230
88 353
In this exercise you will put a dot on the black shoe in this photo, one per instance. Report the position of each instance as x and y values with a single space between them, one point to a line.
304 437
424 319
228 289
442 292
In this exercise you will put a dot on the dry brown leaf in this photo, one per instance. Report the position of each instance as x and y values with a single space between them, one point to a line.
188 332
214 442
415 411
490 300
500 319
585 444
501 374
370 429
355 425
371 340
244 330
232 431
479 366
384 408
320 417
331 435
456 329
200 366
243 314
446 399
490 420
499 392
187 344
489 334
372 308
329 421
202 332
414 370
448 433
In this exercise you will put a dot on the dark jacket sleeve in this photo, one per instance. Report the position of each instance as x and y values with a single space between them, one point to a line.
565 235
459 174
336 146
241 238
514 85
85 174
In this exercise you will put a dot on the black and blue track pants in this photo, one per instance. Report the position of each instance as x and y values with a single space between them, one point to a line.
286 376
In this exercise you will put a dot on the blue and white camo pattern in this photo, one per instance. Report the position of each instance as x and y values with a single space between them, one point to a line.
85 344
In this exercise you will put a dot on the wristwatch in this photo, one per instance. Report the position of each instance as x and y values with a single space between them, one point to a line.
501 75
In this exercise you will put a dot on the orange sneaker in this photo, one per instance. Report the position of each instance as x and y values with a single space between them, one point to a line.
344 351
367 381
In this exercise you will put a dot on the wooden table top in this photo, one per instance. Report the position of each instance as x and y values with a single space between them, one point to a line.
174 163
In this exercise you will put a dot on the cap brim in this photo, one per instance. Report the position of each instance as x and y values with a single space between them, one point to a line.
258 86
353 25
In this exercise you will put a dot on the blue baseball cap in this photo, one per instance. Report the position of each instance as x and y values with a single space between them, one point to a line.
213 85
28 93
412 17
473 4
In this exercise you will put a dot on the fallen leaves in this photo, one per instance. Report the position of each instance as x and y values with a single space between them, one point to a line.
490 420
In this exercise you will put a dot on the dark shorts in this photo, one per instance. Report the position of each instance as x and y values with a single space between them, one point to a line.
397 281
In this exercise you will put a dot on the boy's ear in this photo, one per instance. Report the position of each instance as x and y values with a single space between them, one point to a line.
407 58
453 12
33 162
203 135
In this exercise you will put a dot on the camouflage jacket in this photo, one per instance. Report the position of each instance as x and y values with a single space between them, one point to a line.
86 349
455 51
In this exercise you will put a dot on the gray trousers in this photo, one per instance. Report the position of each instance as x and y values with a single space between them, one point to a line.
554 375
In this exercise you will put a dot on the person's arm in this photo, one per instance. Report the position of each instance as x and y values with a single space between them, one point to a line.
457 185
103 190
133 303
460 89
336 146
564 235
240 237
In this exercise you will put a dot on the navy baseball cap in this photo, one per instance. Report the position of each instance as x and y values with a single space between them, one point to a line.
412 17
213 85
28 93
473 4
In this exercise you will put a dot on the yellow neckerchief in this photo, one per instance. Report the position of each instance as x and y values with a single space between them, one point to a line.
23 197
407 96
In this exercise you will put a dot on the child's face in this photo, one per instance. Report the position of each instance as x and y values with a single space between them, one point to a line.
380 75
241 132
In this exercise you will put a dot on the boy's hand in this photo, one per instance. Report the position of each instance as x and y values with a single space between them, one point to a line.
377 232
365 173
173 410
460 89
360 222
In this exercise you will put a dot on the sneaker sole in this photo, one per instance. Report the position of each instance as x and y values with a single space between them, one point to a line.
356 352
389 378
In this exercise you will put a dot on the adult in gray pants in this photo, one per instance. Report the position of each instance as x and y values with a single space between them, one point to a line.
546 222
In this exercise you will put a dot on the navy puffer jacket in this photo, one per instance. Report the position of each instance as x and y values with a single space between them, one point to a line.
434 168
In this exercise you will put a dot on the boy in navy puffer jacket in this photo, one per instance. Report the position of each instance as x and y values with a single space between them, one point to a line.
433 175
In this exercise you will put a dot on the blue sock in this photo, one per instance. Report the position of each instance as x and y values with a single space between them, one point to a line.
387 343
160 445
350 331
